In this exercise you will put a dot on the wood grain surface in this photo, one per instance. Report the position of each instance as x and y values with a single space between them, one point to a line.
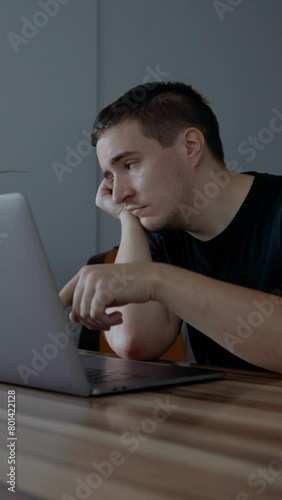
220 440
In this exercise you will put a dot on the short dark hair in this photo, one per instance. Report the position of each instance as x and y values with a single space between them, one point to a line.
162 109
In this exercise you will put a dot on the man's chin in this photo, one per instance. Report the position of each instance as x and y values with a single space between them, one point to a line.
151 225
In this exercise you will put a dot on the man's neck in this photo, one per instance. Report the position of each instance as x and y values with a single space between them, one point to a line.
222 202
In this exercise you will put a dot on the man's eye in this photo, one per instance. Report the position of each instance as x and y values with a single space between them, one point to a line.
129 165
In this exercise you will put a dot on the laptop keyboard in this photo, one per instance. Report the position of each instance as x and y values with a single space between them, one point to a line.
98 376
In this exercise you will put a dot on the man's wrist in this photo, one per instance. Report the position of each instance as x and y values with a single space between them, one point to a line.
129 220
158 281
126 215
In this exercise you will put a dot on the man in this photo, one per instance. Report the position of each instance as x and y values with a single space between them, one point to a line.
217 237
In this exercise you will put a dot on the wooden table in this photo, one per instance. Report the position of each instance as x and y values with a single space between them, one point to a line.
212 441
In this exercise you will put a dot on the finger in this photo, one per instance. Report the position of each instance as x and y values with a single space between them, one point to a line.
103 190
66 294
77 297
90 325
74 317
115 318
98 312
106 322
87 297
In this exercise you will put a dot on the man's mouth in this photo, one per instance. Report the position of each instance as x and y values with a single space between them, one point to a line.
136 211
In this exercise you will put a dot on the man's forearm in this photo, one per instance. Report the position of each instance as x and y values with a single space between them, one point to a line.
246 322
145 332
134 245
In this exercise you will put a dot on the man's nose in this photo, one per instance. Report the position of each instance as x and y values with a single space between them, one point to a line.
121 191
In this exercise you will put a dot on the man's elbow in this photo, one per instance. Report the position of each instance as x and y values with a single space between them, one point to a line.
136 349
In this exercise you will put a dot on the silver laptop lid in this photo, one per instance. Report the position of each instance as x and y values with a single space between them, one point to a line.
36 338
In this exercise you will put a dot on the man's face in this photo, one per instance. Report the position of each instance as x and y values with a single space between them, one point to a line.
143 175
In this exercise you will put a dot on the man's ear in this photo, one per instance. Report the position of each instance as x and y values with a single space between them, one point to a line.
194 143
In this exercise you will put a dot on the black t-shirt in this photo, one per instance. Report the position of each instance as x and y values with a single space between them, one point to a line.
247 253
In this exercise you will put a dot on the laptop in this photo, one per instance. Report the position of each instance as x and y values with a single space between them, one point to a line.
38 339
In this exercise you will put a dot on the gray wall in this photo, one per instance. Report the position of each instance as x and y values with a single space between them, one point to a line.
92 51
48 97
233 58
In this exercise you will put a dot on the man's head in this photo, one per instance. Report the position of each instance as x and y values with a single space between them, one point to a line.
154 145
163 110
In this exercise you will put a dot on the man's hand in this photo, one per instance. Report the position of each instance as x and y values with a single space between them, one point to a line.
105 201
95 288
